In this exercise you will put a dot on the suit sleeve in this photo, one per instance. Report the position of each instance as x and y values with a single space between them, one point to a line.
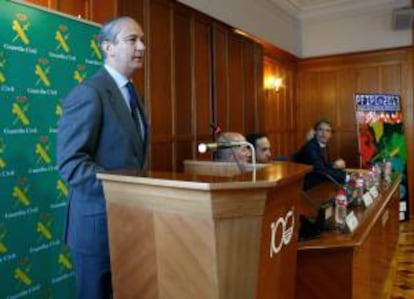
320 166
78 138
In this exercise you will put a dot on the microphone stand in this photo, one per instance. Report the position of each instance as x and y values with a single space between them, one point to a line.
253 154
238 163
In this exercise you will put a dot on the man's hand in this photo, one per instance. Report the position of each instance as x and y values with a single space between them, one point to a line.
339 164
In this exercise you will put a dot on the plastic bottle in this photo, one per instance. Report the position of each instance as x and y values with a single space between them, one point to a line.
387 171
359 186
340 208
377 174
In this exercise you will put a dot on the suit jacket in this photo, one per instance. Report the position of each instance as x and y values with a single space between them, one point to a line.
96 133
313 154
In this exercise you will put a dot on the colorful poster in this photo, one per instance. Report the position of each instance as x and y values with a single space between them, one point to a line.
381 137
42 56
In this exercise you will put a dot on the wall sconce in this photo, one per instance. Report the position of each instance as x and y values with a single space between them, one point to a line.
273 83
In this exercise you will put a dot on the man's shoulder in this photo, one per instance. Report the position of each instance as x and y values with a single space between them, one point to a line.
99 79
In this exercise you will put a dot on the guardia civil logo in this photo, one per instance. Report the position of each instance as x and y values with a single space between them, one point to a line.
80 73
95 54
21 25
62 48
2 67
62 36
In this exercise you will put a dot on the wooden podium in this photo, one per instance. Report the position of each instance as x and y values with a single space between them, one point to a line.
197 235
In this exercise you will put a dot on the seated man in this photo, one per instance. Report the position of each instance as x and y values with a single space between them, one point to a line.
239 154
262 147
314 152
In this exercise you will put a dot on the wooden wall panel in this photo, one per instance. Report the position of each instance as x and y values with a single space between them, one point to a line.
220 75
78 8
367 79
45 3
182 105
391 78
277 109
160 70
160 106
236 84
161 156
100 13
250 109
184 151
182 73
202 74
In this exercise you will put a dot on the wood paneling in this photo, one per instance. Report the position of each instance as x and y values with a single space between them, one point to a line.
236 84
101 13
250 98
277 109
182 73
202 77
160 60
220 77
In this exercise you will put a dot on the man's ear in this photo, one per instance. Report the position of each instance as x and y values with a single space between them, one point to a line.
107 47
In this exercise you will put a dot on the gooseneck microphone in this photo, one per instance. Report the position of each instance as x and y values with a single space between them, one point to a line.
213 146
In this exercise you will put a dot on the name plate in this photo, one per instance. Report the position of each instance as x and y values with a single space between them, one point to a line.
351 221
328 212
374 192
367 199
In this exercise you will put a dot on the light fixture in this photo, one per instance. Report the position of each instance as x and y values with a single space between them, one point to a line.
273 83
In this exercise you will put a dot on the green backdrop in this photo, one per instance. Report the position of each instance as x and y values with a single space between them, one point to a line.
43 54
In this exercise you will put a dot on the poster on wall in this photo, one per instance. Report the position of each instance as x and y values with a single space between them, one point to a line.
43 54
381 137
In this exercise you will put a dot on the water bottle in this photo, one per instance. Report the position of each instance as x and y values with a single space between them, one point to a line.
340 208
359 186
387 171
377 174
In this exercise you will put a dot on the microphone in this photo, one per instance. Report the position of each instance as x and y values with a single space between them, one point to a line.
338 186
213 146
331 178
203 147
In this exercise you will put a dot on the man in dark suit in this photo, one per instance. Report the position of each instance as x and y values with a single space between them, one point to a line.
315 152
103 127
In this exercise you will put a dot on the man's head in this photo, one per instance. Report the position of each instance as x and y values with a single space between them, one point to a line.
262 146
121 40
323 131
235 154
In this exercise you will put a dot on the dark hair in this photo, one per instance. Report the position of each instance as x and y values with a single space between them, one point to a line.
322 121
252 138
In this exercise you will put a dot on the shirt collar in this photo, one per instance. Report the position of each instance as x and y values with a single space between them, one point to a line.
120 79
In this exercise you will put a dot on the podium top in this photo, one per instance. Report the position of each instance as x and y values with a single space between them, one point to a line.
267 175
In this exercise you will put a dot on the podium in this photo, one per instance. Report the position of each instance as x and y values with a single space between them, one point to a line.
204 235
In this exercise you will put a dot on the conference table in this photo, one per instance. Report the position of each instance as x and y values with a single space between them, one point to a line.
354 264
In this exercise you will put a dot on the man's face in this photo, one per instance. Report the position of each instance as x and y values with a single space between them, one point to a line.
263 152
126 54
323 133
242 153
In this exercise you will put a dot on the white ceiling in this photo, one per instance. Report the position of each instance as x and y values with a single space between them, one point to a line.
303 9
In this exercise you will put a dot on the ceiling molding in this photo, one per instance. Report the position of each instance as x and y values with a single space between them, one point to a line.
309 9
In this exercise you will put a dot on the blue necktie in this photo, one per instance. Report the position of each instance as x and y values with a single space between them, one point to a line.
135 111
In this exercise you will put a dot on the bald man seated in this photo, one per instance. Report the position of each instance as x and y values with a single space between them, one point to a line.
239 154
